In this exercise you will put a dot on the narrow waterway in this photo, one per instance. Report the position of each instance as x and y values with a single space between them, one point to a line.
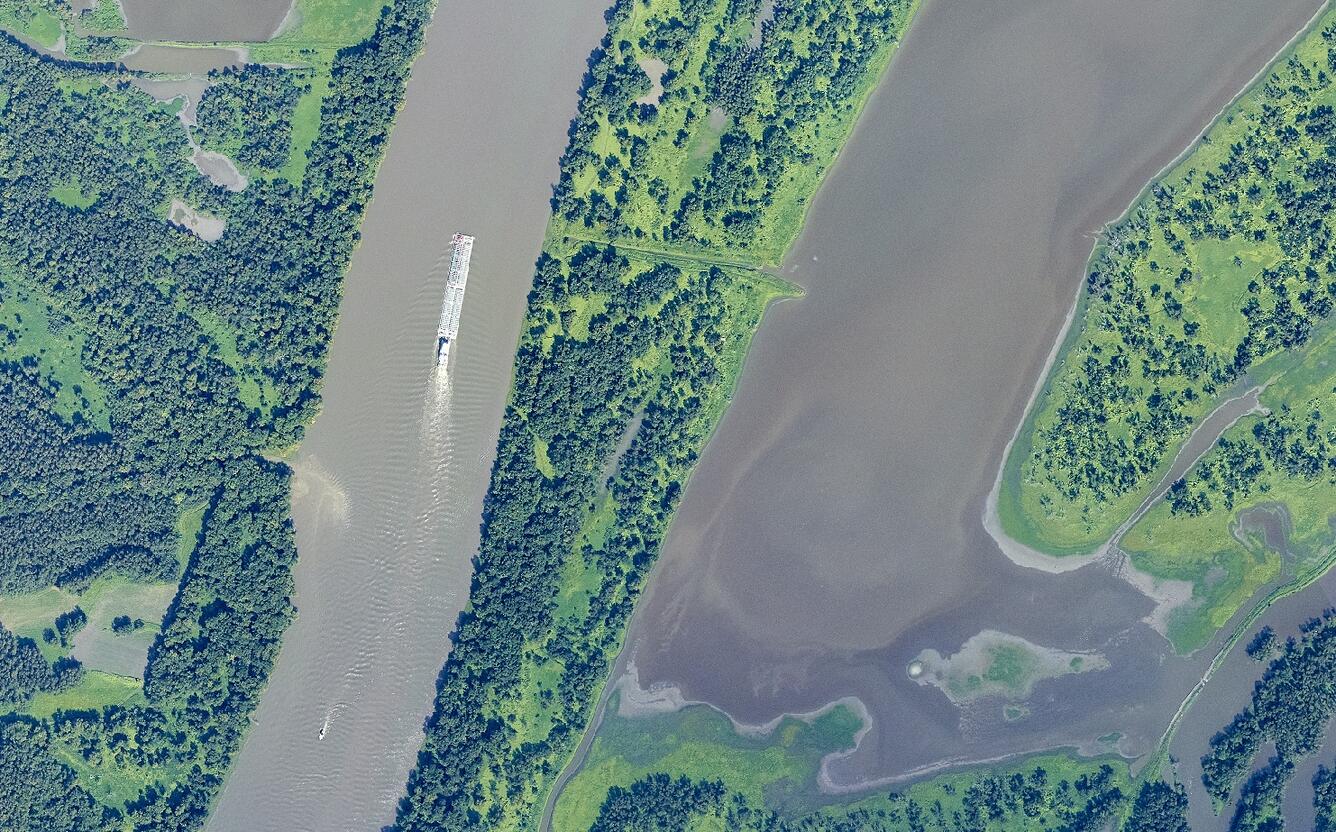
832 530
390 480
1229 692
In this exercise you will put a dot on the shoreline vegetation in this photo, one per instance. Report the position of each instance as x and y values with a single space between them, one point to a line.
1211 283
148 374
694 767
646 297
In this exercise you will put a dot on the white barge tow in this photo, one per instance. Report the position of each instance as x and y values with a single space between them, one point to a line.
453 303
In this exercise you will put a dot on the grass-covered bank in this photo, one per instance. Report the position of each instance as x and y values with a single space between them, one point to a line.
1219 277
690 769
644 302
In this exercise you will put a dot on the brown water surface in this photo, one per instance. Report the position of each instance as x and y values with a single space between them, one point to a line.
390 480
833 531
204 20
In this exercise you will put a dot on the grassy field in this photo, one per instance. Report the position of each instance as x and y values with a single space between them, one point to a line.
97 690
1218 279
38 21
28 615
776 773
31 330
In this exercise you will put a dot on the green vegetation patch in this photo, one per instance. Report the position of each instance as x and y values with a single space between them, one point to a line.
36 338
777 769
37 20
248 116
1258 506
691 770
96 690
998 664
73 195
105 16
1221 277
331 23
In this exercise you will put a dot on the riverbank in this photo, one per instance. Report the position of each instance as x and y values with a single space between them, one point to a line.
832 531
1190 606
1010 526
378 592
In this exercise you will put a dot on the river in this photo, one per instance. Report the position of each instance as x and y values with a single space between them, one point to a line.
832 531
390 480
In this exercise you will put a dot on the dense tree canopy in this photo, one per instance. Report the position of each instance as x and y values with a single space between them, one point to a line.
628 345
145 371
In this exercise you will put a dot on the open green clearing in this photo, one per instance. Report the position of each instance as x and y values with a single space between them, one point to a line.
39 20
1221 277
51 353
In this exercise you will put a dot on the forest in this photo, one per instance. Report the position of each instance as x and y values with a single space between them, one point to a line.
1218 280
641 310
147 377
1017 802
752 108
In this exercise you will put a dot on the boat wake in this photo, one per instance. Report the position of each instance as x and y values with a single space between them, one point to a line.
329 718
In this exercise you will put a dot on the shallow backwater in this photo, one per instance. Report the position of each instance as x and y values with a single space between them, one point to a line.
182 60
204 20
832 530
390 480
1228 692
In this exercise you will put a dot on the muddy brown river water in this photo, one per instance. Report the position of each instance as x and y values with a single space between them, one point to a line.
390 479
832 530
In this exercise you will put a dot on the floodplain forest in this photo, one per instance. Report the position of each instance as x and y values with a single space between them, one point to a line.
1219 281
149 376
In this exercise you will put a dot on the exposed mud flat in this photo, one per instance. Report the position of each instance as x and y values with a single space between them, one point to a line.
832 532
219 169
205 226
654 68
